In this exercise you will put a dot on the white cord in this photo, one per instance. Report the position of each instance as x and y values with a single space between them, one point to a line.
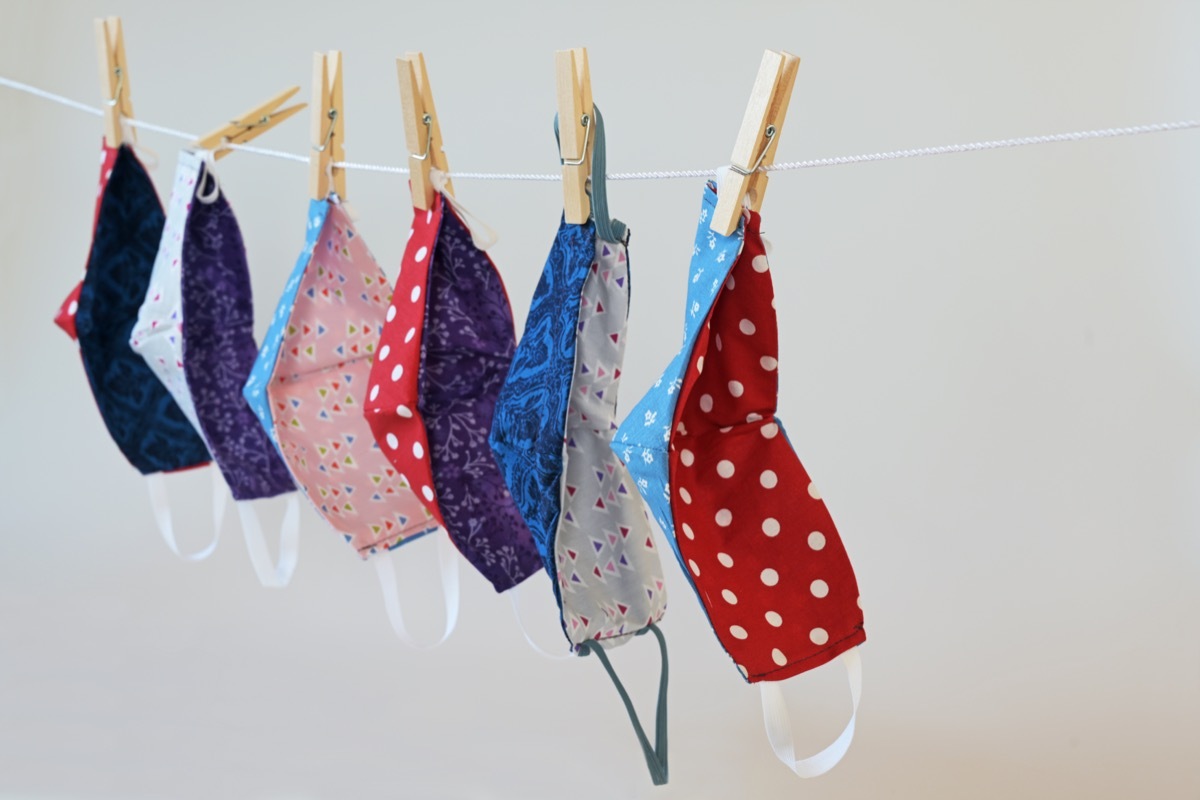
784 166
57 98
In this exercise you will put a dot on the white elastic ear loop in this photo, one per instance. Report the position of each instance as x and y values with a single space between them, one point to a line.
482 235
448 567
160 504
514 597
207 170
779 726
272 575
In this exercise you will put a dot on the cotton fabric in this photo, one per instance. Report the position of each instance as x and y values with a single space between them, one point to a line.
553 423
309 382
141 415
447 342
747 523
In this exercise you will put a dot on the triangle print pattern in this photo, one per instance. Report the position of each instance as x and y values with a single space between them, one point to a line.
609 573
318 386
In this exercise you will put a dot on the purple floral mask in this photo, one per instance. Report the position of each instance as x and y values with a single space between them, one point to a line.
195 331
443 356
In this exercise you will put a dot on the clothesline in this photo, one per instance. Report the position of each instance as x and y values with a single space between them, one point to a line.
783 166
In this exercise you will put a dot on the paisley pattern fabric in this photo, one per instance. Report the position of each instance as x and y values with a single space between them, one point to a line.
220 351
318 360
65 318
140 413
531 412
609 573
442 359
642 438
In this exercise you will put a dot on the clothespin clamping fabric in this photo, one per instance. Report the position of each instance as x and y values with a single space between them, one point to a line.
557 412
422 131
143 419
115 93
446 345
114 81
745 183
311 379
328 128
749 527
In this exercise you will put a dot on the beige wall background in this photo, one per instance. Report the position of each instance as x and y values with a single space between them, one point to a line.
990 362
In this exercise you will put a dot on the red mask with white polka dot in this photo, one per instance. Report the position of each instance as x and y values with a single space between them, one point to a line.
760 546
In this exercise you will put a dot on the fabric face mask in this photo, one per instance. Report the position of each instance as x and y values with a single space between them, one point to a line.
307 388
65 318
200 275
141 416
443 355
553 424
750 530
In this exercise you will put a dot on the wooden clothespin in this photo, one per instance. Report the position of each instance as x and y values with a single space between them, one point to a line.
422 130
328 127
757 140
114 79
250 125
576 132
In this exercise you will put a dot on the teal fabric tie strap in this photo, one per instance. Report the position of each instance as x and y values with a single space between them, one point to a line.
607 228
656 757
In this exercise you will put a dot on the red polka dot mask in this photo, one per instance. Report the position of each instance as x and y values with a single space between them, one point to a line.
445 348
749 528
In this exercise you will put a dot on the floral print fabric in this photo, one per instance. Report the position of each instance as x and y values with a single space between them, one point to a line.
443 356
219 351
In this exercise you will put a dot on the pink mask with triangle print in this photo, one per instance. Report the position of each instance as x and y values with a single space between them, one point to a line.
309 382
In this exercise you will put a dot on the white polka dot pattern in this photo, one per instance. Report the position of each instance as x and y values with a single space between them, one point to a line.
393 412
757 538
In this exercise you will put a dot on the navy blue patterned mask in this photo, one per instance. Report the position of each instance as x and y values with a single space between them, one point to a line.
141 416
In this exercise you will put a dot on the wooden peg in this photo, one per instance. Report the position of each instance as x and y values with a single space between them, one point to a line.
250 125
114 79
757 141
422 129
328 127
576 131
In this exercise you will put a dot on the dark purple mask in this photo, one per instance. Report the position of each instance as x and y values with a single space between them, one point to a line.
219 349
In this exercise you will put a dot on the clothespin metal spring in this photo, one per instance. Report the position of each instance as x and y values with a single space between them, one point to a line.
769 135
